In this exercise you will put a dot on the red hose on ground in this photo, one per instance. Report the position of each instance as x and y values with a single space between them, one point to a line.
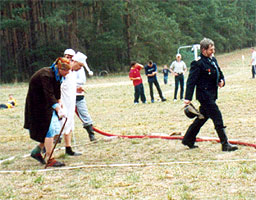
171 138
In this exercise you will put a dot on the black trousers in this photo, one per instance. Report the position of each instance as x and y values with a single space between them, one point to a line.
155 82
179 80
253 71
139 93
209 110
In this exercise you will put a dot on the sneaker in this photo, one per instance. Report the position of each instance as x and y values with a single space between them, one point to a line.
54 163
152 101
174 100
70 152
38 157
144 102
73 153
163 99
135 103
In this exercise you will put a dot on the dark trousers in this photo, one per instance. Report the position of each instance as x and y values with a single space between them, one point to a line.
165 79
179 80
139 93
155 82
209 110
253 71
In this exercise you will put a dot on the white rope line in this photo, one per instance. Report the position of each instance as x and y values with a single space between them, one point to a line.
124 165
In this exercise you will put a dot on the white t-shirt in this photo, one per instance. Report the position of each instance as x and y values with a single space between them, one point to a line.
80 79
254 58
178 67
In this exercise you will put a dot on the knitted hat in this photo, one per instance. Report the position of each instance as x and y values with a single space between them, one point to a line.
80 57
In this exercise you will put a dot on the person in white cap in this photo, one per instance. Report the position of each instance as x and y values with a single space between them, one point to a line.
178 68
68 100
81 107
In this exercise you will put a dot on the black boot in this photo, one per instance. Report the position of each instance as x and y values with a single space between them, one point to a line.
70 152
90 132
226 146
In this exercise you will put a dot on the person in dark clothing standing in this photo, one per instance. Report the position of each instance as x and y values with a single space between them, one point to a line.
151 71
166 71
206 75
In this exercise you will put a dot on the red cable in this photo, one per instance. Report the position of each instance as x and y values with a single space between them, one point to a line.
171 138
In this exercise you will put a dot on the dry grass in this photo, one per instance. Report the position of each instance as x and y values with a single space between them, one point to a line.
204 173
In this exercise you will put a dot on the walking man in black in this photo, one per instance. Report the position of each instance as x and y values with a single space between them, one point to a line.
206 76
151 71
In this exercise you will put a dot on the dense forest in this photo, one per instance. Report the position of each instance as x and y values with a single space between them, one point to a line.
114 32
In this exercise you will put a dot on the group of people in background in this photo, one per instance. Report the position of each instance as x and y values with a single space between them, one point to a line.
178 68
55 93
151 73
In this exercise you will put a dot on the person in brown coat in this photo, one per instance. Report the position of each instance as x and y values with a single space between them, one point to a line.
43 109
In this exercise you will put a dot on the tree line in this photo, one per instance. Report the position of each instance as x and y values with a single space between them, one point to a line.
112 33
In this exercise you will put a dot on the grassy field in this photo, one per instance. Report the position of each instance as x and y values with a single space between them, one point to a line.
165 168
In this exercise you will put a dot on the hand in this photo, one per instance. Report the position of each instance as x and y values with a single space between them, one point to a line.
221 84
79 90
61 114
90 73
187 102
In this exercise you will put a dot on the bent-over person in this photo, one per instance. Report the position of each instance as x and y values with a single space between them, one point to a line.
42 109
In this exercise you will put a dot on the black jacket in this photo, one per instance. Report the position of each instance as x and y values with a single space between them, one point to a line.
204 74
43 92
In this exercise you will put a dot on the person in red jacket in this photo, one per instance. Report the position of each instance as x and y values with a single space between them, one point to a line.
135 76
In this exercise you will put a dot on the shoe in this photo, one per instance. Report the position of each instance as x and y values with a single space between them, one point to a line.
73 153
174 100
191 146
135 103
229 147
70 152
54 163
38 157
163 99
144 102
152 101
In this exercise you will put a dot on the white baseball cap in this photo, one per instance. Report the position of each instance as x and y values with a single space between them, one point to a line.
178 55
69 52
80 57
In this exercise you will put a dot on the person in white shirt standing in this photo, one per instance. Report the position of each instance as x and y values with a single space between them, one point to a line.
178 68
81 106
253 62
68 98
